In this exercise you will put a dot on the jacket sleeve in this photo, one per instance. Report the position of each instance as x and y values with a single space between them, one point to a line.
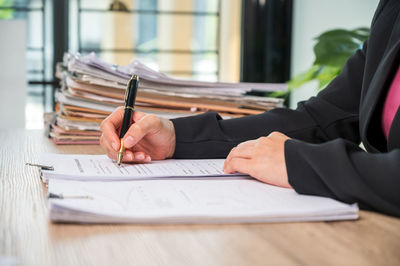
333 113
341 170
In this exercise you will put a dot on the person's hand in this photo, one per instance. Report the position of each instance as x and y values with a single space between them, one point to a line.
262 158
149 137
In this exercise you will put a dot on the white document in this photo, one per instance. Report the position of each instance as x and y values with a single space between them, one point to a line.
100 167
199 200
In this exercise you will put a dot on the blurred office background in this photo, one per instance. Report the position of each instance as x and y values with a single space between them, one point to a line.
225 40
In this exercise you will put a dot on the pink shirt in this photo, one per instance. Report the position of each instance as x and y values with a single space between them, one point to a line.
391 105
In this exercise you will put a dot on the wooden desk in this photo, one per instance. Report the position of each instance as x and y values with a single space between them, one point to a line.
28 236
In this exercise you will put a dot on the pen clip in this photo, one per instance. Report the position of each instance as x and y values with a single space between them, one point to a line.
41 166
126 91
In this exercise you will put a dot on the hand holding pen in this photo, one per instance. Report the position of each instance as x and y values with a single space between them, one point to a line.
148 137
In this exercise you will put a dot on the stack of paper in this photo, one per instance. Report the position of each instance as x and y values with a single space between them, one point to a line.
173 191
92 89
189 201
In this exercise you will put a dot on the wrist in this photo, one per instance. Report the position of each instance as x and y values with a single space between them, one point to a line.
172 140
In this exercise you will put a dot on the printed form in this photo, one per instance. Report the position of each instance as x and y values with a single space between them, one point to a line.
100 167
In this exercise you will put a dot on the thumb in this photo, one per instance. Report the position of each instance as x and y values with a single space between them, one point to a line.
137 115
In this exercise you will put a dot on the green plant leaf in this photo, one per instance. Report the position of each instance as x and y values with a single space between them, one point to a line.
326 75
304 77
358 33
332 50
6 13
334 47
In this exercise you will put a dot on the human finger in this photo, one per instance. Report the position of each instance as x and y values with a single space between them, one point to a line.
109 127
114 119
137 115
141 157
107 145
238 165
127 158
244 153
130 157
113 154
141 128
243 150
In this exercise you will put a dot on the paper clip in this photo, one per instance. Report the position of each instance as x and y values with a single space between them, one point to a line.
41 166
61 196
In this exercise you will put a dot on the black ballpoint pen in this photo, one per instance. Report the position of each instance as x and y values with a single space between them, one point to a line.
130 97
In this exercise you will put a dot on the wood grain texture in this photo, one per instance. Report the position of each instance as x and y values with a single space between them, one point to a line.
27 234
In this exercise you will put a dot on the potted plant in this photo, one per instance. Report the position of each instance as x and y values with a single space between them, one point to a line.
332 49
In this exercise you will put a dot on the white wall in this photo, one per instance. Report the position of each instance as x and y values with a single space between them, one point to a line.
311 18
12 73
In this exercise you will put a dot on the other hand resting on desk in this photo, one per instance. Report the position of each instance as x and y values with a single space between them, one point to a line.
262 158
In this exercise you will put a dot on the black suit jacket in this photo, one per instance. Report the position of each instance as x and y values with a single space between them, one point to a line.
324 157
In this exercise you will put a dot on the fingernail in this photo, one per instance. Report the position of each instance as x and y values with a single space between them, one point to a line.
148 159
139 156
129 157
114 146
128 142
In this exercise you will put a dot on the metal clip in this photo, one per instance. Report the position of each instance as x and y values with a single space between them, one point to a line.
41 166
61 196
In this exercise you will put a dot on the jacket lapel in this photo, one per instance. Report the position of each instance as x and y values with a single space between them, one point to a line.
372 103
394 133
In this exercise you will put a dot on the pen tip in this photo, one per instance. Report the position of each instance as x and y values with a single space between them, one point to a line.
119 160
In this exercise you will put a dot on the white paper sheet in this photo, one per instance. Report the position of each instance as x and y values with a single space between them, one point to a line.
100 167
189 201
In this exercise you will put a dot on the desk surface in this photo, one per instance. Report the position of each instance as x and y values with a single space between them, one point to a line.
29 238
